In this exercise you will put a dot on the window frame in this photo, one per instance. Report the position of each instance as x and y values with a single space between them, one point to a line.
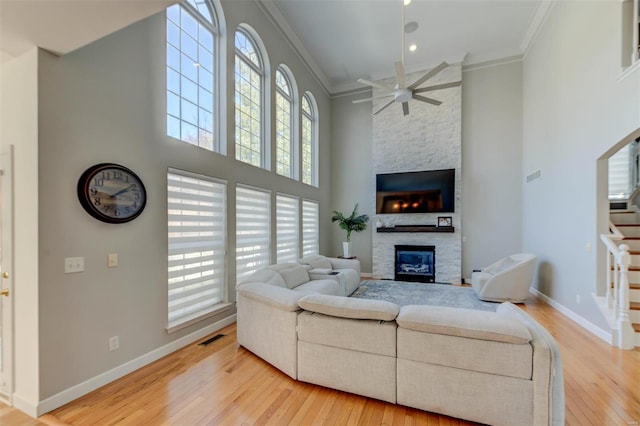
262 69
313 117
215 28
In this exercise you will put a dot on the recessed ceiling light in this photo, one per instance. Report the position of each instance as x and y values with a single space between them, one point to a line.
407 2
413 47
410 27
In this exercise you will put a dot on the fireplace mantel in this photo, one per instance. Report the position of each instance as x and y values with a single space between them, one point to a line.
417 228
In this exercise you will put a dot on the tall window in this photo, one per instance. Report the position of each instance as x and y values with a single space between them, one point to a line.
284 127
253 230
309 145
287 228
196 207
310 227
621 173
249 73
191 58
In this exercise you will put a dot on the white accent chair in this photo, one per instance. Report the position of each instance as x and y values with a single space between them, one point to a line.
507 280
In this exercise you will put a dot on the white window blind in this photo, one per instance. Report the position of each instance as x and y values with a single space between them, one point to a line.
620 174
287 228
310 227
253 230
196 207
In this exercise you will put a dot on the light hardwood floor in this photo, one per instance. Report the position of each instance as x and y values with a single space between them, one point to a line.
224 384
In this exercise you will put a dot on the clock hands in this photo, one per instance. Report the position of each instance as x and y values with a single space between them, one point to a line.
122 191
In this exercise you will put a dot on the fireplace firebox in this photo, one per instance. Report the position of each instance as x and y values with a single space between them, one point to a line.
415 263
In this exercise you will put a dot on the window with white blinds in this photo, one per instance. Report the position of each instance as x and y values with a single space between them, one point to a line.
310 227
196 207
620 174
253 230
287 228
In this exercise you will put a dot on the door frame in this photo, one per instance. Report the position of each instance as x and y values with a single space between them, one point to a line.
6 269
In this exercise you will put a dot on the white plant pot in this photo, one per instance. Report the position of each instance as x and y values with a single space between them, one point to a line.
346 249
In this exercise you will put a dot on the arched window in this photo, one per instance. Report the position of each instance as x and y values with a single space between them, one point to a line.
249 100
309 140
285 129
192 81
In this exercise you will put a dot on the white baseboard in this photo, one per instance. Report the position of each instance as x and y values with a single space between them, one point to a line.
582 322
100 380
366 275
24 405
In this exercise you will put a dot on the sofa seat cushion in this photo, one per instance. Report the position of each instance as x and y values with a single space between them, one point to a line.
370 336
486 356
278 297
461 322
347 307
316 261
327 286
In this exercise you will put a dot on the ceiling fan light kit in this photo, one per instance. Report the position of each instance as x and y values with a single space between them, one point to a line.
402 93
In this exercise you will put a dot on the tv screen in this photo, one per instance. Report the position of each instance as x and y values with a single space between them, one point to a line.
429 191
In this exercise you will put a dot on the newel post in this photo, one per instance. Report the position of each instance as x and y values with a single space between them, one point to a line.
625 329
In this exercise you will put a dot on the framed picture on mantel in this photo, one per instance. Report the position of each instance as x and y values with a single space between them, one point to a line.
445 221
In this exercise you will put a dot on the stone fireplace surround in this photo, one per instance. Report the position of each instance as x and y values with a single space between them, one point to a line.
429 138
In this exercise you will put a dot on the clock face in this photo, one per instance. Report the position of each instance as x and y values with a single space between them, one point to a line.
111 193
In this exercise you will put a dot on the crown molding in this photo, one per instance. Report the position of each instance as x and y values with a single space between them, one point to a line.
538 20
273 13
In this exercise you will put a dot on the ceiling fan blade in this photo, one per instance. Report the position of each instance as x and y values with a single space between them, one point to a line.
427 100
400 76
359 101
405 108
428 75
374 84
438 87
385 105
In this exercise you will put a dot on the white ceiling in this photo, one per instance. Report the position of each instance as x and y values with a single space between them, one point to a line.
351 39
61 26
342 40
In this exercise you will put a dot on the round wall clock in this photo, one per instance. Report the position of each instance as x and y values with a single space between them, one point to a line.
111 193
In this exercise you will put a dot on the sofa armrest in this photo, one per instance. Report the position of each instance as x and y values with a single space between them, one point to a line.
337 263
548 378
278 297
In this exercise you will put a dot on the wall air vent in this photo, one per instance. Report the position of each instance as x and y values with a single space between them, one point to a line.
535 175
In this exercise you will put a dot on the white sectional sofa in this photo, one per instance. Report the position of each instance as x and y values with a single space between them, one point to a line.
490 367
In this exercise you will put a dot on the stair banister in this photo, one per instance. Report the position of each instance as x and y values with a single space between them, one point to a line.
625 329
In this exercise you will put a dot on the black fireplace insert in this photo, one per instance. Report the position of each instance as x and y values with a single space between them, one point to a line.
415 263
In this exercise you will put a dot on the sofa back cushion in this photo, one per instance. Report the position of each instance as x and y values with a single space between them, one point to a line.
294 275
347 307
265 275
316 261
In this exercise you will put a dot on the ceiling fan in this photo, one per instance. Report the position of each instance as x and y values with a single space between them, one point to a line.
401 93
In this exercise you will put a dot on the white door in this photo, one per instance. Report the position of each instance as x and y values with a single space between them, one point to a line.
6 275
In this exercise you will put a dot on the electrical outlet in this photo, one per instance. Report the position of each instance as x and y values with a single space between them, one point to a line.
587 247
73 265
112 260
114 343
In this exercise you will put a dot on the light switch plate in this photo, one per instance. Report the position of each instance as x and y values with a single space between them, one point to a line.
73 265
112 260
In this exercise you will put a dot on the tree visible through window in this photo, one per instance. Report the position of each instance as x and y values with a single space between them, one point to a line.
308 142
191 53
248 99
284 120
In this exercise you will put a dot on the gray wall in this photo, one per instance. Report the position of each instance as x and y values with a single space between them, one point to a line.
105 103
352 176
491 164
576 106
491 128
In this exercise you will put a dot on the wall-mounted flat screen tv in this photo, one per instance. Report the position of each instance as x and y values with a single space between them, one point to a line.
429 191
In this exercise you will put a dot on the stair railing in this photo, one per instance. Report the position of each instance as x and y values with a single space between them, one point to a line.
618 261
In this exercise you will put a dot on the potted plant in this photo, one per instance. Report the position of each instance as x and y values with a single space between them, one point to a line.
351 223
